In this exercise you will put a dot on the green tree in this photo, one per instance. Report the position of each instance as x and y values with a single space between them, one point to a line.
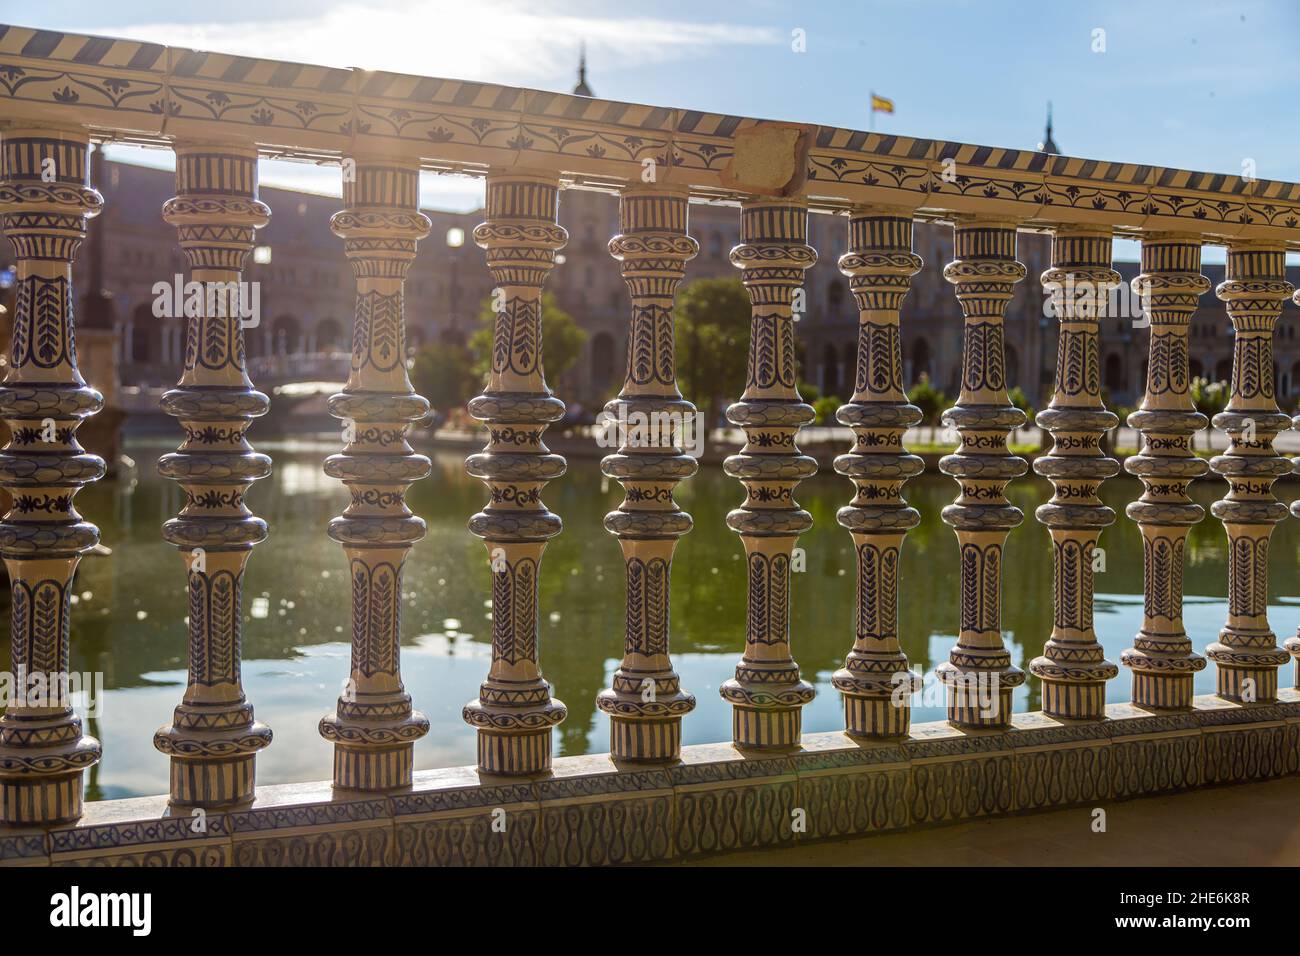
929 400
1209 398
444 374
561 339
712 342
825 409
1020 400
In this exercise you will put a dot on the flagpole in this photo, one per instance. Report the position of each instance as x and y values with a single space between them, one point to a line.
871 111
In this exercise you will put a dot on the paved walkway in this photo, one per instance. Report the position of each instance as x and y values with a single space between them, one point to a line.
1255 824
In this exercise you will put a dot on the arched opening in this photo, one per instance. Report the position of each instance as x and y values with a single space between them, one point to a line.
1195 368
1295 379
286 336
329 335
830 370
602 362
1114 373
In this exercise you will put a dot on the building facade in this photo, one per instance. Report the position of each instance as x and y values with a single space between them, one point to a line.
306 291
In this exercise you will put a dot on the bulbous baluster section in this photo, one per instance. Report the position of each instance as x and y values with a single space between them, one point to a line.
646 702
213 738
1161 658
45 203
875 680
1073 666
515 712
767 694
374 727
978 674
1246 656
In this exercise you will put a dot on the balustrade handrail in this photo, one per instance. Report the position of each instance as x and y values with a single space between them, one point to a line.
146 93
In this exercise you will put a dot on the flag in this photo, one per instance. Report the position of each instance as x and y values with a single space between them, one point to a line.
881 105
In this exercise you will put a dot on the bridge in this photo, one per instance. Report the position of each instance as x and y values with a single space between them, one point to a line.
650 798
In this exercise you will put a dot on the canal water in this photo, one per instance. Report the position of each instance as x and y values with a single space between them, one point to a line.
129 618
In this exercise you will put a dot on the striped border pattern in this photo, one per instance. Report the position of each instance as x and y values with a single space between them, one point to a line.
153 93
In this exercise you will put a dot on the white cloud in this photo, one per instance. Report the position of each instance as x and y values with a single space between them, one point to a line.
500 41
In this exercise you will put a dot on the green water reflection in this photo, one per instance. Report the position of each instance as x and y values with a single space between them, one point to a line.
128 622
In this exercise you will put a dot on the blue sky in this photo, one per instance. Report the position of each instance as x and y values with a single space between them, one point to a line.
1200 85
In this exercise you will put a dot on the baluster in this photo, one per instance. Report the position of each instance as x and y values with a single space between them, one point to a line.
515 712
875 680
1161 658
646 702
213 737
373 727
1292 643
979 674
45 201
767 693
1073 667
1247 655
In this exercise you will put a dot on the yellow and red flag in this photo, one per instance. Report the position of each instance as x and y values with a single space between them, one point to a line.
881 105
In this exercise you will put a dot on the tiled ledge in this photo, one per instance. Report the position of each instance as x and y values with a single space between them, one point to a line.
589 811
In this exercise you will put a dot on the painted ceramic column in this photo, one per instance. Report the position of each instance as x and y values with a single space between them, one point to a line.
515 712
875 680
979 674
1255 288
1161 657
1292 644
1073 667
767 694
213 737
646 702
45 201
373 727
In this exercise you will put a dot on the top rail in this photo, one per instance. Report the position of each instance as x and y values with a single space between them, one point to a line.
146 93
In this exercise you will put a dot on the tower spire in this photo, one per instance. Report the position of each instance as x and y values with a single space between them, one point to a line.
582 89
1048 145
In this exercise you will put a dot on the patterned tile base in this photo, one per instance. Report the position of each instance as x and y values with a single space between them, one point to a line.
591 811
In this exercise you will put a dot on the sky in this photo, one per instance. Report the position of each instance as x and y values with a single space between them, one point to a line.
1195 84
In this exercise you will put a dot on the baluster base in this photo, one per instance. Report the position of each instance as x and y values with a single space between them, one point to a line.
374 753
514 741
877 695
373 769
645 741
511 755
1164 671
1074 680
45 800
767 716
212 784
212 751
980 686
645 731
41 765
1246 669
